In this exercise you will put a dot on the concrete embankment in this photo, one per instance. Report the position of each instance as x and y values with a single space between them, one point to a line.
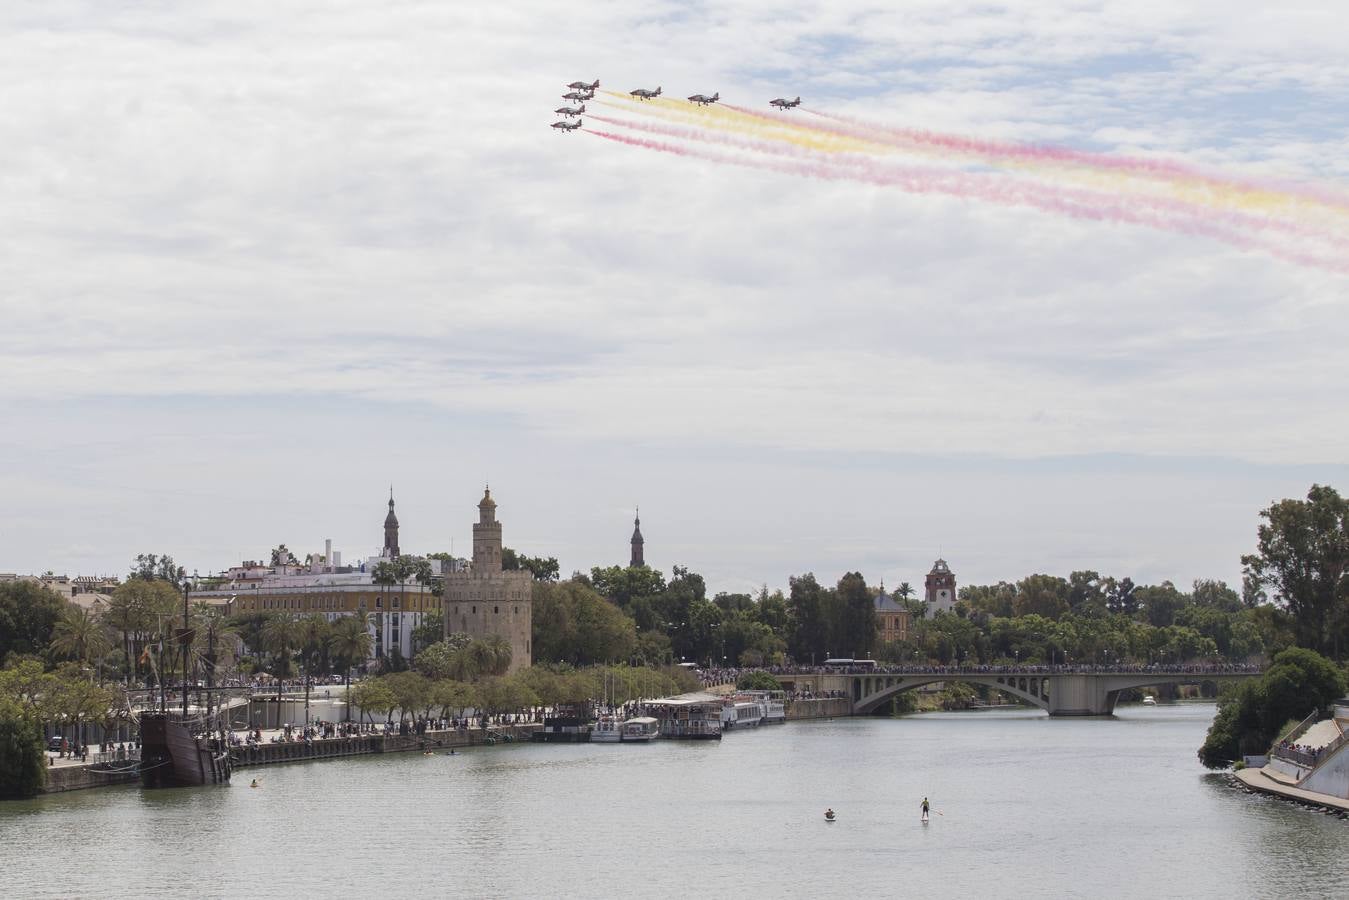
822 708
366 744
77 778
1266 783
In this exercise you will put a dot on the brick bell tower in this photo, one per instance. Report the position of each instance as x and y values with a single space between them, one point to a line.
941 588
487 536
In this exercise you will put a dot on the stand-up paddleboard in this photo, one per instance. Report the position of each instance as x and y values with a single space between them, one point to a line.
829 815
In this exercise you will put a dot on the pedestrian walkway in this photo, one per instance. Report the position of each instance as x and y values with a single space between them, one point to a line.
1259 780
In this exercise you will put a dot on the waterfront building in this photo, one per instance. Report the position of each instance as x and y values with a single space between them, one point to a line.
485 600
323 586
638 556
892 619
941 588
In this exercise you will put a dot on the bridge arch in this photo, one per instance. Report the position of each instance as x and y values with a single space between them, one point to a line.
869 692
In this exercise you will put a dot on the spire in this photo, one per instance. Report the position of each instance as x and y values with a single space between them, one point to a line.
390 530
638 543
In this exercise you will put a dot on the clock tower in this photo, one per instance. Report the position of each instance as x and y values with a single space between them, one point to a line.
941 588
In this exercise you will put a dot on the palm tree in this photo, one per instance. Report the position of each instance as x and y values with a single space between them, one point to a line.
281 635
385 574
350 641
498 656
80 636
905 590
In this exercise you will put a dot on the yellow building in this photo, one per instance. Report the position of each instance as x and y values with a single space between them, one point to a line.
892 619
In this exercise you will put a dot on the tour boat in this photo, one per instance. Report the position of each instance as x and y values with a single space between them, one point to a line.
608 730
742 713
774 703
641 729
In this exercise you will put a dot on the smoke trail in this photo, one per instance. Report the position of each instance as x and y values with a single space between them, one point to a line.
987 189
1173 207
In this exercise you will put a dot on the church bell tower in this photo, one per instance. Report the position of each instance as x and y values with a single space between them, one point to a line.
637 542
391 531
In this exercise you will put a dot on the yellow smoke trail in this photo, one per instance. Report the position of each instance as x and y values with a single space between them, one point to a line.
1199 189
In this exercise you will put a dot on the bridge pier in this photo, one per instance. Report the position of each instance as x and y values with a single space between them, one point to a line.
1078 695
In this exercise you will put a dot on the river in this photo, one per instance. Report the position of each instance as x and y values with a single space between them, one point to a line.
1022 804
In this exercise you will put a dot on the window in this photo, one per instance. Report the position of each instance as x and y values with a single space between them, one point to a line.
496 610
474 610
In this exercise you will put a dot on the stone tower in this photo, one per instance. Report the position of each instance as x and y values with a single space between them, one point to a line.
390 531
484 600
637 543
941 588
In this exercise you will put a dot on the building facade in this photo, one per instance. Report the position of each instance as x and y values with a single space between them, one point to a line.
485 600
941 588
892 619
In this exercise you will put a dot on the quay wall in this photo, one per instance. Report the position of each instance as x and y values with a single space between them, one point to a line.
77 778
365 744
823 708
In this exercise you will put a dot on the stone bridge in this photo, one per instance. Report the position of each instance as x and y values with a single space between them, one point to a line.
1059 693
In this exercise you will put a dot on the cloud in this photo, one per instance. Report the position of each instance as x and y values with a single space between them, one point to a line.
233 204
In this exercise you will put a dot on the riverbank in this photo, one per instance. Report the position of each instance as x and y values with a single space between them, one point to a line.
1262 782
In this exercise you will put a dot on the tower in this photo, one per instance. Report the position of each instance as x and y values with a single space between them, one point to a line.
637 542
482 600
390 530
941 588
487 536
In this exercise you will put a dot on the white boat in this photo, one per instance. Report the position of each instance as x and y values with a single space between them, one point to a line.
640 729
774 703
1149 700
740 712
608 730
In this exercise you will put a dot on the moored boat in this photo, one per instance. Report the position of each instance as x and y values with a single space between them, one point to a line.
608 730
172 756
641 729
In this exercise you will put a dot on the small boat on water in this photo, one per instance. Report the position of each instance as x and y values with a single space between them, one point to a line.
608 730
1149 700
641 729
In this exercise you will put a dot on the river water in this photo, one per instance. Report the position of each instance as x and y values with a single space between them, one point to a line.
1022 805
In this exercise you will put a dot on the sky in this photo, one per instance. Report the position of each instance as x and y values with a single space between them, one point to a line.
263 260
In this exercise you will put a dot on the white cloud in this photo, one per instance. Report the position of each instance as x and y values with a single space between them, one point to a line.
295 202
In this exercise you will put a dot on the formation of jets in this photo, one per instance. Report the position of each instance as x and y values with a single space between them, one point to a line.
585 90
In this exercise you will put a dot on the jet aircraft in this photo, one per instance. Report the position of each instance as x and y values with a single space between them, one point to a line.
704 100
582 86
780 103
570 110
565 126
644 94
579 95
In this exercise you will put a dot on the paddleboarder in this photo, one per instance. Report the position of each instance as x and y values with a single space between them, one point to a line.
925 808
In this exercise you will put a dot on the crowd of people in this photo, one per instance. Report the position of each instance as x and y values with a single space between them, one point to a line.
714 676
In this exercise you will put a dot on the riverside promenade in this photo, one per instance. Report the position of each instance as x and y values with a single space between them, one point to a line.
1268 783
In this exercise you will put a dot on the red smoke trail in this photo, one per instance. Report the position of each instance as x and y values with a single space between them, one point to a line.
993 190
888 172
847 126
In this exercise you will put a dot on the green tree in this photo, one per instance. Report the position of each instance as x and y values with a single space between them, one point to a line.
1041 595
372 697
809 628
79 636
854 629
757 681
350 644
572 623
1299 683
29 613
1302 555
23 764
149 567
